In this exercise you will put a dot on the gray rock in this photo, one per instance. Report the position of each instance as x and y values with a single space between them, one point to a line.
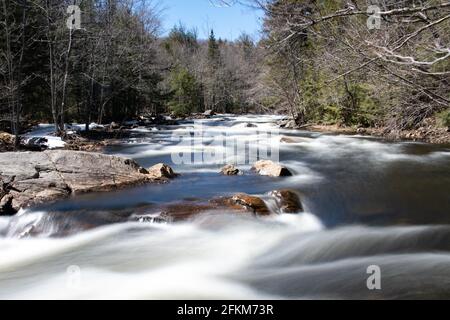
30 178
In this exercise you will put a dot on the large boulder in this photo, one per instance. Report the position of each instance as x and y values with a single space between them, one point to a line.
230 170
30 178
161 171
287 201
270 168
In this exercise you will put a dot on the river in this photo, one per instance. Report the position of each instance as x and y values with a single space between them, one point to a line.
367 203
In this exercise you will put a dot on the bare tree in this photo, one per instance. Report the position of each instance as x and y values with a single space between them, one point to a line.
14 24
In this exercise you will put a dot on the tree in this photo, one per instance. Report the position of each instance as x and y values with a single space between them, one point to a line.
12 49
186 92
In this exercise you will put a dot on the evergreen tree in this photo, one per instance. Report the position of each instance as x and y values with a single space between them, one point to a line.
186 93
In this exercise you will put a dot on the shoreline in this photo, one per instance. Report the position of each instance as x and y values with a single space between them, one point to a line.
96 139
430 134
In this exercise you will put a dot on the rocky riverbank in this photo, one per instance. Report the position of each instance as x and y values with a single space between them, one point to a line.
31 178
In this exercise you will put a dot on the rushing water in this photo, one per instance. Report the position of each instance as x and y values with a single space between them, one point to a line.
367 202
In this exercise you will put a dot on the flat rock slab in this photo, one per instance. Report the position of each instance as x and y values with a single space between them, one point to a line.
30 178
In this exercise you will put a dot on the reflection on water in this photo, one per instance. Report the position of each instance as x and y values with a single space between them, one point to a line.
368 203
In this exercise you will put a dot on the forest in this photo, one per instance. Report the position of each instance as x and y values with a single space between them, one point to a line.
357 63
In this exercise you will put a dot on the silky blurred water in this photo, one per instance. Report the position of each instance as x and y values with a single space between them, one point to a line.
367 202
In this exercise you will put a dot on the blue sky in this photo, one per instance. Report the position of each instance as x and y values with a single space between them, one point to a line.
227 22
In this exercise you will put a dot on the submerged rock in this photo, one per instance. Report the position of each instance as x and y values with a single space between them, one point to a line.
230 170
239 204
270 168
30 178
287 201
184 211
295 139
160 171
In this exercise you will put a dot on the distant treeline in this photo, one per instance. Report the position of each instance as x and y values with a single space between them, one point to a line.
318 61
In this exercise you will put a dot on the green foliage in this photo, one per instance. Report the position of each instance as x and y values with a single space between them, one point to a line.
443 118
213 50
181 36
186 92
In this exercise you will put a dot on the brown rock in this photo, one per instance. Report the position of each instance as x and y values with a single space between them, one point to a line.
181 211
85 146
230 170
6 142
242 201
270 168
287 200
7 138
161 171
184 210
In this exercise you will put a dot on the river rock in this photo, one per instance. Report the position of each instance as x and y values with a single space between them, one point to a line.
240 204
287 201
242 201
230 170
288 124
184 210
30 178
6 142
209 113
270 168
161 171
114 126
7 138
34 143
